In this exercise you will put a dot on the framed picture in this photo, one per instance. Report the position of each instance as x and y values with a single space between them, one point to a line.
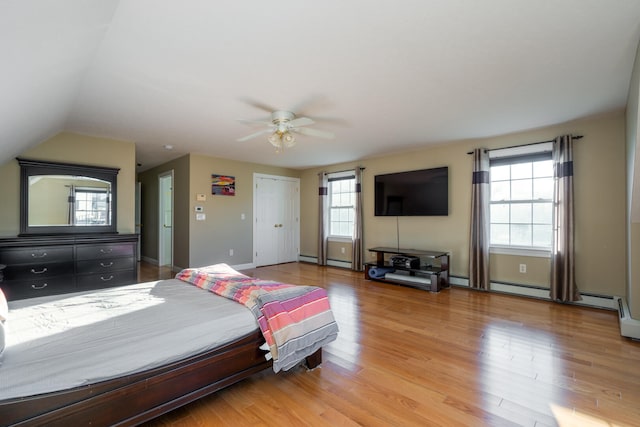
223 185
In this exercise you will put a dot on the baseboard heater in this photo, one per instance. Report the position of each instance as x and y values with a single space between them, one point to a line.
407 278
629 327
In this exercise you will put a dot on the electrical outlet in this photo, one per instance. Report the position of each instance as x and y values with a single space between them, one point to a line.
230 252
342 250
523 268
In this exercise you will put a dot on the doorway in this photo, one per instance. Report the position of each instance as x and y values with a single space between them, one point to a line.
165 219
138 218
276 212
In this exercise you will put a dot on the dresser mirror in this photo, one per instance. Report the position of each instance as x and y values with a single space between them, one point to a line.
61 198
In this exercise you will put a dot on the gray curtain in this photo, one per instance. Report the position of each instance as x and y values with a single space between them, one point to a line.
71 200
479 238
323 217
357 247
563 285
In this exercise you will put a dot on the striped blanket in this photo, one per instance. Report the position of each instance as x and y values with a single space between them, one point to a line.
295 320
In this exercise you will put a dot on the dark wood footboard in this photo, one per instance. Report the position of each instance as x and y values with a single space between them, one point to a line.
140 397
136 398
314 360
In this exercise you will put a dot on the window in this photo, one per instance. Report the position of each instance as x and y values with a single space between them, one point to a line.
91 206
521 204
341 205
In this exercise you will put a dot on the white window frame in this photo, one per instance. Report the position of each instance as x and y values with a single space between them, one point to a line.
333 177
526 150
89 211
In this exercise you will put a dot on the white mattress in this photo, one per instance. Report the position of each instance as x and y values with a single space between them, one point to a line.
63 341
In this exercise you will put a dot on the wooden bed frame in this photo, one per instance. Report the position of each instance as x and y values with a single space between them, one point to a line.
140 397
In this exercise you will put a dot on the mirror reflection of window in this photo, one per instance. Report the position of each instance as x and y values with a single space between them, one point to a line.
91 206
65 200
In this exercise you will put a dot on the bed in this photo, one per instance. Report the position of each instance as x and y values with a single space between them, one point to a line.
124 355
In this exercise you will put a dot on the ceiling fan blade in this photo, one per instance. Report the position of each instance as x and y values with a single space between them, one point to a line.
314 132
312 102
253 135
302 121
260 105
332 120
253 122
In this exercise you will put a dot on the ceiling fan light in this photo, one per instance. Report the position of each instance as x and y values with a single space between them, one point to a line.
288 140
275 140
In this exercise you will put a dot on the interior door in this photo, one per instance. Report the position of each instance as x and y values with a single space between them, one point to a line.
276 213
165 220
268 220
288 222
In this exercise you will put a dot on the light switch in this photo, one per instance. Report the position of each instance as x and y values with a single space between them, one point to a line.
201 217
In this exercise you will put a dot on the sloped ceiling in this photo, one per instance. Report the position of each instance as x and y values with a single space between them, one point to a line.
381 75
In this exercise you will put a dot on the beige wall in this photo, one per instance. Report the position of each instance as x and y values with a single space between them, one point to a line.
73 148
599 196
198 243
223 229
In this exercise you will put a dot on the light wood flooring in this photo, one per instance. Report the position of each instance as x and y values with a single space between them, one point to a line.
407 357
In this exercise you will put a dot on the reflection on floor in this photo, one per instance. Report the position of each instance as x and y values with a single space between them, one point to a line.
407 357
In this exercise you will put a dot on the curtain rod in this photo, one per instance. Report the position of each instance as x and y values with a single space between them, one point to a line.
348 170
524 145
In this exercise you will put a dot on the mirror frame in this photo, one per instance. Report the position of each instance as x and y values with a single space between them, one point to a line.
37 167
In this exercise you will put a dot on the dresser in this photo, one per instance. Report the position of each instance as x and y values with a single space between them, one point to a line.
46 265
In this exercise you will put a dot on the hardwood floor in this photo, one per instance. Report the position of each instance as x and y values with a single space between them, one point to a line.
407 357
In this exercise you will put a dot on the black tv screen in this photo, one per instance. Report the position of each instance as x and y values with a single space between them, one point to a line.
414 193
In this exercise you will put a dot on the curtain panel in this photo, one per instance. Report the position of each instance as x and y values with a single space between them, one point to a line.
562 284
357 246
479 234
323 217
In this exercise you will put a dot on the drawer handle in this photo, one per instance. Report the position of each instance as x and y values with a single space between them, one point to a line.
106 251
106 279
41 255
102 264
44 270
44 285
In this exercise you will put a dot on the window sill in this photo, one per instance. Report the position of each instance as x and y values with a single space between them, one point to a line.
521 251
340 239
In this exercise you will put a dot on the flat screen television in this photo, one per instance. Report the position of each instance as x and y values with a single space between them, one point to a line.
414 193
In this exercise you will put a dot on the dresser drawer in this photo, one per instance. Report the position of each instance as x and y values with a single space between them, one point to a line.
38 270
36 255
105 265
38 287
105 280
104 251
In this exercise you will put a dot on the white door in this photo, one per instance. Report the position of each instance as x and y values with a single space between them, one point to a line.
165 219
276 224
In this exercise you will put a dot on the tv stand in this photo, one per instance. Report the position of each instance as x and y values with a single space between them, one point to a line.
432 274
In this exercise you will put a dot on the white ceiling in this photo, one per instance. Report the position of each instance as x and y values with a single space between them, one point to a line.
391 74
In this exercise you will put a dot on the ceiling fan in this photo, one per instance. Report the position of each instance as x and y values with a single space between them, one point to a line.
281 127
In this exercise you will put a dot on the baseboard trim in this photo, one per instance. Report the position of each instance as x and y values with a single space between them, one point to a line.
330 262
589 300
246 266
149 260
174 268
